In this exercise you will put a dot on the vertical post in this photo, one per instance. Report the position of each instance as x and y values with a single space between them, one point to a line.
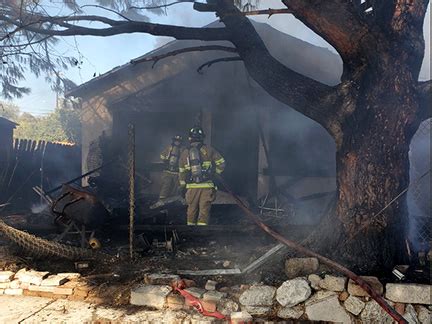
131 166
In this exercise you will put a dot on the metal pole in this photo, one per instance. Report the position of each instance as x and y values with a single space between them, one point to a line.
131 167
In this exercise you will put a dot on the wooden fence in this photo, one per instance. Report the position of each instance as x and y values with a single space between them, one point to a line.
36 163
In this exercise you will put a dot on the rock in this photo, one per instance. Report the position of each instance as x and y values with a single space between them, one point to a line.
400 308
6 276
161 279
209 305
290 312
195 291
293 292
258 296
54 280
62 291
327 309
41 288
314 280
13 291
150 295
424 315
343 296
321 294
296 267
354 305
355 290
213 295
227 306
409 293
70 275
257 310
176 302
210 285
411 315
226 264
333 283
373 313
15 284
31 277
240 317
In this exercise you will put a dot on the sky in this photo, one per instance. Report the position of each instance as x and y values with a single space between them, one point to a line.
101 54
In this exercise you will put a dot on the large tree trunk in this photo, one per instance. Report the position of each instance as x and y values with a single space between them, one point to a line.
373 168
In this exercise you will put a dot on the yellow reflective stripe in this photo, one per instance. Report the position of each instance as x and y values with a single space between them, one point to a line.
163 157
220 161
182 169
206 163
219 171
200 185
191 223
182 183
201 224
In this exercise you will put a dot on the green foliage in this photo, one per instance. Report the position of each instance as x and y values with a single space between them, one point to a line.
62 125
9 111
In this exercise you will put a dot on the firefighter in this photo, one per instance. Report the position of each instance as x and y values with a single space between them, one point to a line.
170 176
197 166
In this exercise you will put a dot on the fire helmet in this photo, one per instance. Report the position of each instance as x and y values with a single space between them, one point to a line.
196 133
177 138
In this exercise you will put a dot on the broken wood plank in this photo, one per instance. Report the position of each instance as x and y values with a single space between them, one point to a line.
210 272
264 258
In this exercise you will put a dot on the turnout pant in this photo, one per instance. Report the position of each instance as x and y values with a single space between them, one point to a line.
199 201
170 185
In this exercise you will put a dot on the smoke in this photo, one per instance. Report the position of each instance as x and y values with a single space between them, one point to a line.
38 208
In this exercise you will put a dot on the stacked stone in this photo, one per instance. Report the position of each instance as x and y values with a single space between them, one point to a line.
311 297
42 284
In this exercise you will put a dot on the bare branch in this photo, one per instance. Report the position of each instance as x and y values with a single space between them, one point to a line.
121 27
107 9
223 59
156 59
425 93
270 12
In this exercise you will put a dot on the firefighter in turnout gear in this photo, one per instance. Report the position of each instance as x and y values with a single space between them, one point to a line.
197 166
170 177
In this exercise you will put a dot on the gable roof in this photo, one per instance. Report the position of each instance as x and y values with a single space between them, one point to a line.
316 62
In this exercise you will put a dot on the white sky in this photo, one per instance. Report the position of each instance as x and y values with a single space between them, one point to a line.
101 54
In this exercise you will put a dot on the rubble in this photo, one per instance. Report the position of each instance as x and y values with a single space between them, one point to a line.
213 295
296 267
240 317
327 309
210 285
6 276
424 314
31 276
314 280
333 283
293 292
258 296
411 315
196 291
354 305
227 306
373 313
290 312
161 279
150 295
409 293
355 290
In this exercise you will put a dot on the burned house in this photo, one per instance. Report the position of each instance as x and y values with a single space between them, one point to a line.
248 126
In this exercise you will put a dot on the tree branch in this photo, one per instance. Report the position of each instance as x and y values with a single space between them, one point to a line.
223 59
337 21
309 97
425 93
270 12
156 59
121 27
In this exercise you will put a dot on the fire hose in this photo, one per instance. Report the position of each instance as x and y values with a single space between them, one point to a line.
301 249
195 302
